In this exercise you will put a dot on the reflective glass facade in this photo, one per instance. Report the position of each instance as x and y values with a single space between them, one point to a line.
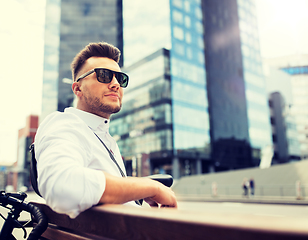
70 26
296 70
296 66
300 110
188 78
279 82
144 123
292 136
239 115
51 57
165 105
258 112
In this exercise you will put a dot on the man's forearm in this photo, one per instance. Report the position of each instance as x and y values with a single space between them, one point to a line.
121 190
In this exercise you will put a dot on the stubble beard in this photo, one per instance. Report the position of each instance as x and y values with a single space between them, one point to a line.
99 108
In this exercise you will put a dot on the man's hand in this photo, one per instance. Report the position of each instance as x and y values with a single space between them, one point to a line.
121 190
164 197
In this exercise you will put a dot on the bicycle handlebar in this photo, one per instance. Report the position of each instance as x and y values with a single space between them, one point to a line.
165 179
17 201
40 218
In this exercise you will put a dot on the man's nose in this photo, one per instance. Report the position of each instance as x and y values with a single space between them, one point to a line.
114 83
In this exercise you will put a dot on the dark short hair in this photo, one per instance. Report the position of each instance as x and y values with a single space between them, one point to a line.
101 49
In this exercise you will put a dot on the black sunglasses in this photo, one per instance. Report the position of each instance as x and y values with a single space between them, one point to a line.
105 75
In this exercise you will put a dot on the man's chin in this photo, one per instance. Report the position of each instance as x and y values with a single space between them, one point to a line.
111 109
116 110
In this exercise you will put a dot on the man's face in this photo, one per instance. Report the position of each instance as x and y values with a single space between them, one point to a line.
102 99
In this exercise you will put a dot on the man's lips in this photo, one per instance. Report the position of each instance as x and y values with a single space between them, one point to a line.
112 95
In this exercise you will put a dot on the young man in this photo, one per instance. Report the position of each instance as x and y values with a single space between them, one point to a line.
73 149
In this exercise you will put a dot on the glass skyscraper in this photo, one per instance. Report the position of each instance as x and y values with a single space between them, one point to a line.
70 26
300 108
166 97
239 114
188 77
255 86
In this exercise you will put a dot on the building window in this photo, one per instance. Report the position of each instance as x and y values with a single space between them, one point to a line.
188 37
178 33
86 9
187 6
187 22
199 27
198 13
201 57
177 3
189 53
177 17
200 43
179 49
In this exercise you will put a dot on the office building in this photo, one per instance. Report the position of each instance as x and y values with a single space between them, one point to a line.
70 26
297 67
284 132
239 114
164 112
217 90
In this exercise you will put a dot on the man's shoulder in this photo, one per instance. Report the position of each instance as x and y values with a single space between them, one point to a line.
64 125
61 117
61 121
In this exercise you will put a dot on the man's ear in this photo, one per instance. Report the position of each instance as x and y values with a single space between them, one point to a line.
76 89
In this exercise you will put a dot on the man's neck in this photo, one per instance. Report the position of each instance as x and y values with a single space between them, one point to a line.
100 114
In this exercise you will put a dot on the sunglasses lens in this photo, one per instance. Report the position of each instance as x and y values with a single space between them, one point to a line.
106 76
122 79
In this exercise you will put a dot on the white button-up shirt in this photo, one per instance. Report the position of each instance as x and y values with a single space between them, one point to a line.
71 160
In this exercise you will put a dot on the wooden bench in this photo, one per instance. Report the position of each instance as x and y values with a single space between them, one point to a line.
122 222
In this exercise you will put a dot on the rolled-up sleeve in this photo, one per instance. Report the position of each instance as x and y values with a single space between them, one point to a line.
64 179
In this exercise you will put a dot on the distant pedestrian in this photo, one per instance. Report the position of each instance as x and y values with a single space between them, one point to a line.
214 189
245 186
252 186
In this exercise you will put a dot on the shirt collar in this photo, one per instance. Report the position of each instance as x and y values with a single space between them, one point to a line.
93 121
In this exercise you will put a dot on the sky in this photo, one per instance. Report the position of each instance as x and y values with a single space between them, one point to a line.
282 25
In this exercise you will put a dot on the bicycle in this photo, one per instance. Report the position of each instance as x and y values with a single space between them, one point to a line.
16 204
